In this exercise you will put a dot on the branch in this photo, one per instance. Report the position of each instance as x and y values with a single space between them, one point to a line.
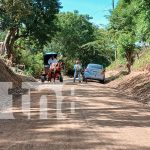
22 36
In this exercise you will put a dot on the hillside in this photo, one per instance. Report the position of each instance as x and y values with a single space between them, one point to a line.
136 84
7 75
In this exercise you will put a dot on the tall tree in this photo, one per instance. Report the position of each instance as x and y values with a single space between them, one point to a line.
123 23
28 18
79 38
143 19
75 30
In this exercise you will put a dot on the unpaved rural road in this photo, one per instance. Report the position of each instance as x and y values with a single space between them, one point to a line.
100 119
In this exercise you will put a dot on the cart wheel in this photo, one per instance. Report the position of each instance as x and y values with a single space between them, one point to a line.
42 78
49 79
60 78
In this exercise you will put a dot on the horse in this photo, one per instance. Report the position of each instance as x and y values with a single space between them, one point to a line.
55 71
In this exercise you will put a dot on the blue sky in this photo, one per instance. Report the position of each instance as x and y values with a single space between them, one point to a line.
95 8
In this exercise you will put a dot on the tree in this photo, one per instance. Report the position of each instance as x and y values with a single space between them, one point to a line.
143 19
101 50
126 44
28 18
123 17
123 22
75 30
78 38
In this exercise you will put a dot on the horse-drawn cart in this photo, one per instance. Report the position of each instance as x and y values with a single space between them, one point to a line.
52 68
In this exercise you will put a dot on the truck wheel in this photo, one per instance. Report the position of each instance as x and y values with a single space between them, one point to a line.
102 81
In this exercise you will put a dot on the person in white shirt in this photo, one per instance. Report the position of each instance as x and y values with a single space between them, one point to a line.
50 61
55 60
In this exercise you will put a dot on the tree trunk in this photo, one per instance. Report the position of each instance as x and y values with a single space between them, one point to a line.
2 48
129 67
9 41
129 58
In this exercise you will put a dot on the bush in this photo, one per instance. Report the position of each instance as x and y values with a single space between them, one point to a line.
33 62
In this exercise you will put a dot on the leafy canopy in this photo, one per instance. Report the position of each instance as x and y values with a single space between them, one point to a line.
30 18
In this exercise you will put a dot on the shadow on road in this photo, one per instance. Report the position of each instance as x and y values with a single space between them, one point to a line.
100 113
116 76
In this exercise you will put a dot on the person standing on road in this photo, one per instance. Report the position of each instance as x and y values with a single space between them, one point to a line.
77 70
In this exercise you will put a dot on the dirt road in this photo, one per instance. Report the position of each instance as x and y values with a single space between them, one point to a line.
100 119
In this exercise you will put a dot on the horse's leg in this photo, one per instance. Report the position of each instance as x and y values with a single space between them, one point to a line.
54 76
50 76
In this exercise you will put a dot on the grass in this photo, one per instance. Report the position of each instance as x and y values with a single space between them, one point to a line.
119 63
143 62
140 64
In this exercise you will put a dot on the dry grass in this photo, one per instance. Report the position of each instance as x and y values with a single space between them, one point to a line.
136 84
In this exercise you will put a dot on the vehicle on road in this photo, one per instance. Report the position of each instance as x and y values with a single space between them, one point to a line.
94 72
51 70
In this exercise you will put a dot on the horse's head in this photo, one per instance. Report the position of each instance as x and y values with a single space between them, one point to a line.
61 64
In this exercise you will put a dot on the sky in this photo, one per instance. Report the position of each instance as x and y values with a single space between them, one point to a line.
97 9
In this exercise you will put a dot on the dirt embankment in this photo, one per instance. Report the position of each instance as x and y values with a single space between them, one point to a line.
7 75
136 84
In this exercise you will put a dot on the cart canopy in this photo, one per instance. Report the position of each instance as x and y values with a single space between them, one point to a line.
48 55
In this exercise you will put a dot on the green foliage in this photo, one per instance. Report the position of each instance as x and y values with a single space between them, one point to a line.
32 58
2 35
28 18
99 51
133 17
126 43
76 30
80 39
33 62
118 63
30 24
143 20
130 23
122 18
143 62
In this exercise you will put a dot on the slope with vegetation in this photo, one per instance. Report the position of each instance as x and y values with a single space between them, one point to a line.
137 83
130 25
